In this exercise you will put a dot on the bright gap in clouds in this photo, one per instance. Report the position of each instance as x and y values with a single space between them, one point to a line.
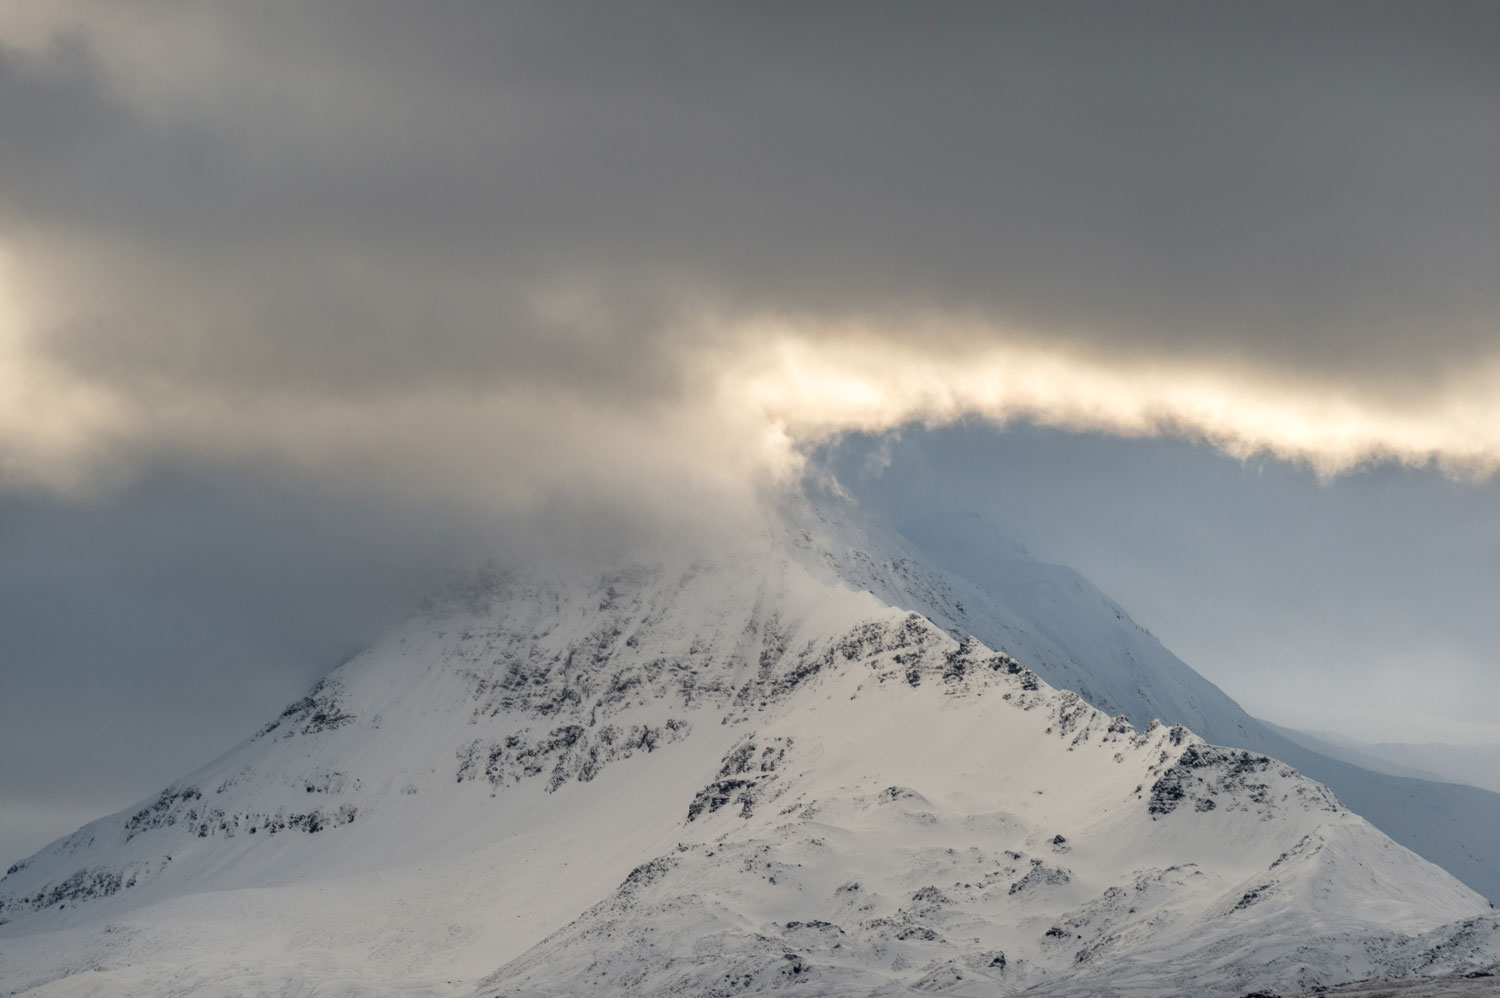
52 424
937 371
742 399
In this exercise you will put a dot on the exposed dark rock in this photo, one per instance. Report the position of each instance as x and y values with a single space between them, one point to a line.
1040 875
1211 776
1251 896
161 812
645 875
317 712
742 778
569 752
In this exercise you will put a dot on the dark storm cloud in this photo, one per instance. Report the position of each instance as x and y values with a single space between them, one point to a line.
1285 185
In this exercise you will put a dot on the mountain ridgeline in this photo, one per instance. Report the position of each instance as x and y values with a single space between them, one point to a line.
1080 639
836 761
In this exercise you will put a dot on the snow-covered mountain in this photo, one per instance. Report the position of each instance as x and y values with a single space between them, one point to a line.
1077 638
789 766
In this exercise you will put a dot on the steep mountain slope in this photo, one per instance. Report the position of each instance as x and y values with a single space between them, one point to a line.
794 780
490 730
1077 638
930 817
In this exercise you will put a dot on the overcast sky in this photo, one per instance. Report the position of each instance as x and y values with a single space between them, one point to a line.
300 302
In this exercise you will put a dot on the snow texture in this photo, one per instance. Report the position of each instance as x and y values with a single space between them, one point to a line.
824 765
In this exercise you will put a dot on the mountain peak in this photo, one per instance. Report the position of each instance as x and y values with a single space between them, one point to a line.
806 759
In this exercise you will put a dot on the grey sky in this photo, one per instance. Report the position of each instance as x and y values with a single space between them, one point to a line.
298 301
145 632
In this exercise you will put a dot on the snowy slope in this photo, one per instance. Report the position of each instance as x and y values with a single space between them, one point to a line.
1458 986
602 782
1077 638
432 769
930 817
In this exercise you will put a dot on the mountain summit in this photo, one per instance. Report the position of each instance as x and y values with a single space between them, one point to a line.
823 762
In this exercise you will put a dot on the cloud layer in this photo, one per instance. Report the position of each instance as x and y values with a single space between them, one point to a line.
661 248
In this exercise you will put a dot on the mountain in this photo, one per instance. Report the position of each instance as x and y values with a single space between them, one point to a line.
1075 637
783 766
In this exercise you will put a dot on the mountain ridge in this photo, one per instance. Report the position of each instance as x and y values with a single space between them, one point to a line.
453 798
1447 823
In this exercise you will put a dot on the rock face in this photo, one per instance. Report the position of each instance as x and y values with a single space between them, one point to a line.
1024 825
779 768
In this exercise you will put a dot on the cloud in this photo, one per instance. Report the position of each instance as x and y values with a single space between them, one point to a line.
415 280
934 370
658 252
52 424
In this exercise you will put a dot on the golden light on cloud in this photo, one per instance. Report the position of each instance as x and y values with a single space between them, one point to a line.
753 394
52 427
814 383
